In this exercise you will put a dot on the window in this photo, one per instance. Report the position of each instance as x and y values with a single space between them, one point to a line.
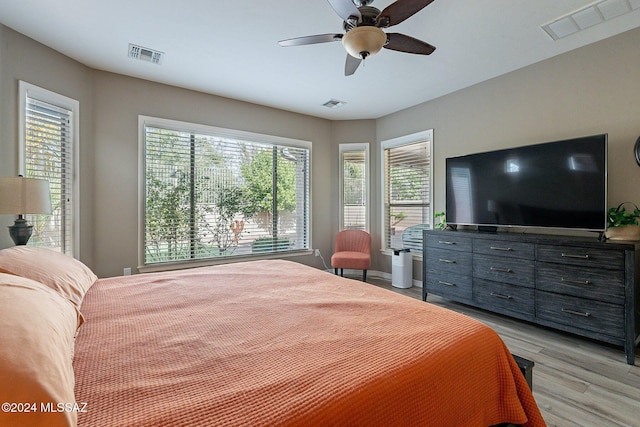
48 137
215 193
406 164
354 186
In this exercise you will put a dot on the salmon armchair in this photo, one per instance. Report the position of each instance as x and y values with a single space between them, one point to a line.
353 250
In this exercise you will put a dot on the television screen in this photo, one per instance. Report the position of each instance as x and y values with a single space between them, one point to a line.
561 184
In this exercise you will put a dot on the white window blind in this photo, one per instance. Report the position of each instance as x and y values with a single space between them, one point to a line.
407 189
48 154
355 186
212 196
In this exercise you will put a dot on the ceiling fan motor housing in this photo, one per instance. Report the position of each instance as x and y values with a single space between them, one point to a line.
369 15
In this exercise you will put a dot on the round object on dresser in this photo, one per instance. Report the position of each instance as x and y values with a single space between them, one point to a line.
636 151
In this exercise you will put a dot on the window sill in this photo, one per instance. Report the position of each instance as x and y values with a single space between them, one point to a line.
153 268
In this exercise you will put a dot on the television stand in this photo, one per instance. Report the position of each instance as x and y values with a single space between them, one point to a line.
487 229
572 284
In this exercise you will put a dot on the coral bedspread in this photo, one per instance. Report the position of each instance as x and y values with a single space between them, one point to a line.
278 343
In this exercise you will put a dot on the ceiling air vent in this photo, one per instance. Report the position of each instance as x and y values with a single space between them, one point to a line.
334 103
144 54
588 16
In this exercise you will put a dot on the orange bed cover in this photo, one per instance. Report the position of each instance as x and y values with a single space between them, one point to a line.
268 343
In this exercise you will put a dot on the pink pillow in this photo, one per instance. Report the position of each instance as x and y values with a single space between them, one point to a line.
66 275
37 329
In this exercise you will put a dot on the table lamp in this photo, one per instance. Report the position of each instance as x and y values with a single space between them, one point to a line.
21 196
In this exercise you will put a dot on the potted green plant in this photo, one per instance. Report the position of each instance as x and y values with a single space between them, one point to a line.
439 221
623 225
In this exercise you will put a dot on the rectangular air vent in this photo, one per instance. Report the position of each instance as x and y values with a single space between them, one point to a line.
144 54
334 103
588 16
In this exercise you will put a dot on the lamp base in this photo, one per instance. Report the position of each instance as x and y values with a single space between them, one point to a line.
20 231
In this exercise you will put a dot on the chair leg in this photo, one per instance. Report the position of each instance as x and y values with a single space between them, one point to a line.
364 275
342 272
335 271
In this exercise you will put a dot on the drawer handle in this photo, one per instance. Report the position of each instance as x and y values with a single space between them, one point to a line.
497 248
577 313
446 283
448 261
444 242
493 294
577 282
587 256
501 270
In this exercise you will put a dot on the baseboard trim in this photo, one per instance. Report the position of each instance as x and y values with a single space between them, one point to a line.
354 274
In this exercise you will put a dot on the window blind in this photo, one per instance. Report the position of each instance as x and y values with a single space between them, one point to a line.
48 155
354 190
406 190
209 196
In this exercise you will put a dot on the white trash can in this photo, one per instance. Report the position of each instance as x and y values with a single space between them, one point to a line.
402 268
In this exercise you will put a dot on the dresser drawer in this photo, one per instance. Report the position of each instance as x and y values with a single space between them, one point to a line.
508 270
504 248
589 315
450 285
445 261
516 301
582 256
450 241
593 283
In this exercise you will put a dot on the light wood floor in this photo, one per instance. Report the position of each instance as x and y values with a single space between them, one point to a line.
576 382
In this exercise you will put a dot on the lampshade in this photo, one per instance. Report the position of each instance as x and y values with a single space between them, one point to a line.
365 41
20 196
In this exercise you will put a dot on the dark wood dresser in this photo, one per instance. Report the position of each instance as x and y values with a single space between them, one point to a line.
577 285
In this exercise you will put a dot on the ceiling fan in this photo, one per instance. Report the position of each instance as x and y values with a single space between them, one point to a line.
363 35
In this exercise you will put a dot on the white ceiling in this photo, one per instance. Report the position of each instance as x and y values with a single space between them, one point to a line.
229 47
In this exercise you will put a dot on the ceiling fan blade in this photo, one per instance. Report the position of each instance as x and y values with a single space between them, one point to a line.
400 10
351 65
346 9
402 43
320 38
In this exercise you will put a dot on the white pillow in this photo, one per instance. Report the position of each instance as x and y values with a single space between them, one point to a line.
66 275
37 330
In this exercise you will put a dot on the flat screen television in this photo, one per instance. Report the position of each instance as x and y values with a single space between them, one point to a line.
561 184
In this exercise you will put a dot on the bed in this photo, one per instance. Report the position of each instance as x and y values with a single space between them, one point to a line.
258 343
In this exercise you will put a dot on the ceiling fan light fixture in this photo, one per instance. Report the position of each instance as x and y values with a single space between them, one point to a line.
362 42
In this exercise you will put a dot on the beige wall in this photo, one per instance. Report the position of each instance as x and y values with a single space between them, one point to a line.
120 100
109 109
595 89
351 132
23 59
591 90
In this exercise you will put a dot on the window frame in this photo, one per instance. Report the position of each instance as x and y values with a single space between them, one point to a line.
342 148
25 90
394 143
181 126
